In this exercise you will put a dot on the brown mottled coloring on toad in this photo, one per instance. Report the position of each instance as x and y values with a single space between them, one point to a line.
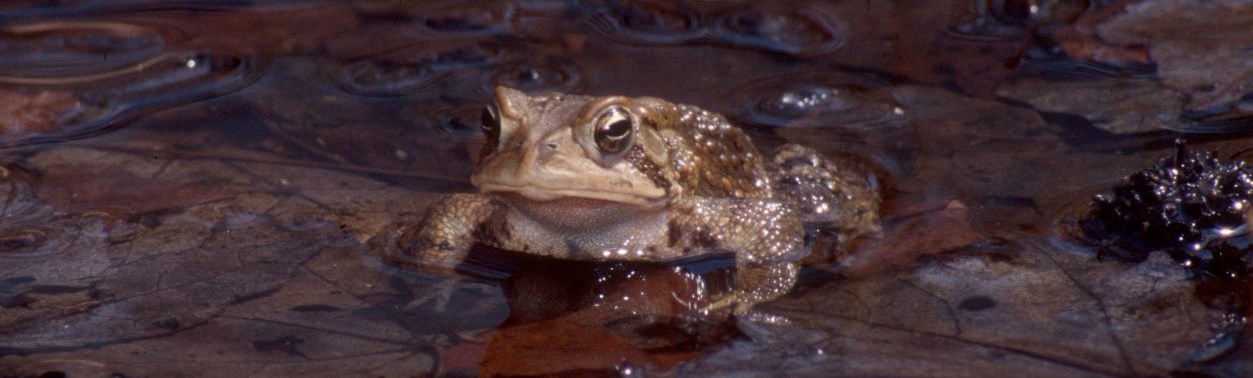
643 179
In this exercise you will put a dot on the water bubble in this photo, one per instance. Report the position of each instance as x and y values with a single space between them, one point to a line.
804 31
800 104
805 100
628 370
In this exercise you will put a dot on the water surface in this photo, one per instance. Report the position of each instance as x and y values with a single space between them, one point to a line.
196 187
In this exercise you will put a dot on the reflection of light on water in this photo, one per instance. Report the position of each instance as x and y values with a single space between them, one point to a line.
801 101
114 69
640 292
700 291
150 67
808 97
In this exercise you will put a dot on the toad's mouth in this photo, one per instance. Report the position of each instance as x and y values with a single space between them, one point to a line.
574 196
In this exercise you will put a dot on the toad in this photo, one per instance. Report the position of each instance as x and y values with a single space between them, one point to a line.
642 179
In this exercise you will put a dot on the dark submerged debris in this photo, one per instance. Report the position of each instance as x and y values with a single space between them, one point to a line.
1190 205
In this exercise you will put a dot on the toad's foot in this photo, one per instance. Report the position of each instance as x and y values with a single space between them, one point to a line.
766 236
444 237
437 245
757 284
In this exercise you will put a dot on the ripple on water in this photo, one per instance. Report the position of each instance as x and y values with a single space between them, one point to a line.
22 240
1011 20
30 240
543 74
791 101
17 195
49 50
462 120
408 70
997 21
116 70
382 79
459 18
649 21
804 30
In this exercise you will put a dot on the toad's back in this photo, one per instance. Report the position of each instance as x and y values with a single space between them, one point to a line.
716 159
712 158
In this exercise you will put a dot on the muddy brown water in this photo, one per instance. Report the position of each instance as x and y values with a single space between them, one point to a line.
205 188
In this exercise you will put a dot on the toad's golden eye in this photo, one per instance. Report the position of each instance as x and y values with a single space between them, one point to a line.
613 130
491 123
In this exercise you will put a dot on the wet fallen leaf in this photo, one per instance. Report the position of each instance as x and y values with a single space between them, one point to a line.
1079 39
259 275
32 112
932 231
1027 309
140 188
569 344
1200 47
1116 105
276 279
575 316
247 243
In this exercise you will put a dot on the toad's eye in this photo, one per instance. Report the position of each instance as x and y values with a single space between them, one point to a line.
491 123
613 130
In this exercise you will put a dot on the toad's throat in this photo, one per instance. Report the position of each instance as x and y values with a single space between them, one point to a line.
586 197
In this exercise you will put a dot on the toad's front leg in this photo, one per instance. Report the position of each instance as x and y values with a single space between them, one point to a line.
766 237
440 242
444 237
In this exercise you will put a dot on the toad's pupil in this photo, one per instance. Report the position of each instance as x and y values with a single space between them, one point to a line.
614 133
618 129
488 120
613 130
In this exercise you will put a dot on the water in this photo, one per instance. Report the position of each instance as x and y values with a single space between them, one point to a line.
209 187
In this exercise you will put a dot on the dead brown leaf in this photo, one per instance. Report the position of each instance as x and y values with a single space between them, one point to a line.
29 113
1200 47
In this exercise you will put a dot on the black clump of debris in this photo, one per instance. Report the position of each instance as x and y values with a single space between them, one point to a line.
1190 205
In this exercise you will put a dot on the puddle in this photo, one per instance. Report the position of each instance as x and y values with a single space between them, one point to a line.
190 186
